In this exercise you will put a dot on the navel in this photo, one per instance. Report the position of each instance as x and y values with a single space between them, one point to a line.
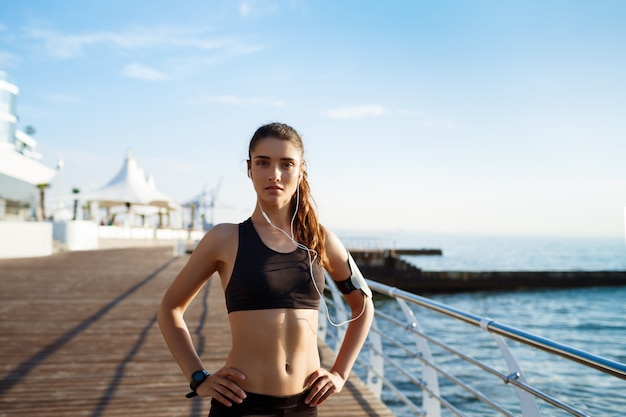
288 368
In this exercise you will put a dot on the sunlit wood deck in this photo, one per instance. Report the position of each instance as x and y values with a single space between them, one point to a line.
78 337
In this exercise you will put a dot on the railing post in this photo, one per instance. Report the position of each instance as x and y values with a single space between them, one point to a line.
376 369
430 402
527 401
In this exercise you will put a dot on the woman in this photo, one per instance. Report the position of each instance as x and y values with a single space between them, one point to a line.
270 267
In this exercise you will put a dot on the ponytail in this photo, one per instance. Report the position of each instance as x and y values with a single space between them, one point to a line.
307 228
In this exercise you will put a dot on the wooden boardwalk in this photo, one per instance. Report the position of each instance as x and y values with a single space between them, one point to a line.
79 337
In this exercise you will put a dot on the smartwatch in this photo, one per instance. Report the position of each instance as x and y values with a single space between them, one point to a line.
197 378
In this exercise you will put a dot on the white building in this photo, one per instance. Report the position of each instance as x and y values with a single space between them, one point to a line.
22 176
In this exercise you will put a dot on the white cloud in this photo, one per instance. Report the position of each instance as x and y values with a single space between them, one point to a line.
142 72
67 46
244 8
64 46
356 112
60 98
257 8
373 110
240 101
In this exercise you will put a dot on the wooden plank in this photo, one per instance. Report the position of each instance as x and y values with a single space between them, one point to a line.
78 337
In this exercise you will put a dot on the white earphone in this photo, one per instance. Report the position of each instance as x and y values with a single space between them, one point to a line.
311 259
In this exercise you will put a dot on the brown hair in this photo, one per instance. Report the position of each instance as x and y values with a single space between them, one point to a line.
307 228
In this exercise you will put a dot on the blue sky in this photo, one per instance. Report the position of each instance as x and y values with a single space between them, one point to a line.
498 117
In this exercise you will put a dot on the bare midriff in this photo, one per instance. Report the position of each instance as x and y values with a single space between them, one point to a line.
275 349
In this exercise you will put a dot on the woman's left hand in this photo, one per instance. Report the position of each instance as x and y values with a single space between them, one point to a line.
322 384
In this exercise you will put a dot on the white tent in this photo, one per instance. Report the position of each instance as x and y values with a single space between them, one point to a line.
130 187
159 197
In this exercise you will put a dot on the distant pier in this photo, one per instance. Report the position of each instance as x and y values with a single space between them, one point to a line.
387 267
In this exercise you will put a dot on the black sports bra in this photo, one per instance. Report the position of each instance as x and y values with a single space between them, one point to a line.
265 279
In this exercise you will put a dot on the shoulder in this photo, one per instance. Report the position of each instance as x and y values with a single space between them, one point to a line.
336 255
219 237
223 230
332 243
217 247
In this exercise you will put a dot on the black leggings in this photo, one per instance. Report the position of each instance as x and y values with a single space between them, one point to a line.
256 405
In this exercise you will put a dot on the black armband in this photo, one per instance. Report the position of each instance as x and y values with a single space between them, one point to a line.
346 286
355 281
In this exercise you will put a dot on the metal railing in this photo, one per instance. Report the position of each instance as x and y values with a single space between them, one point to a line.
428 383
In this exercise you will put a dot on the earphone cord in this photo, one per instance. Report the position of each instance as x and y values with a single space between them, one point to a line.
311 260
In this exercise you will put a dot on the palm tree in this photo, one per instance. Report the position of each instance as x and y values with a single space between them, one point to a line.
42 199
75 191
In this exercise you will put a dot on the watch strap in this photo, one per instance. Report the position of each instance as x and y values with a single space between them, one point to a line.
198 378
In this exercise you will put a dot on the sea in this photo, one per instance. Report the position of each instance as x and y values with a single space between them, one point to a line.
591 319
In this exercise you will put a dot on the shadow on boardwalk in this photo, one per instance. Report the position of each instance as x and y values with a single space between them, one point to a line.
78 337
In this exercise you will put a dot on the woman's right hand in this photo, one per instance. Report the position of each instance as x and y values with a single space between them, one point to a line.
223 386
